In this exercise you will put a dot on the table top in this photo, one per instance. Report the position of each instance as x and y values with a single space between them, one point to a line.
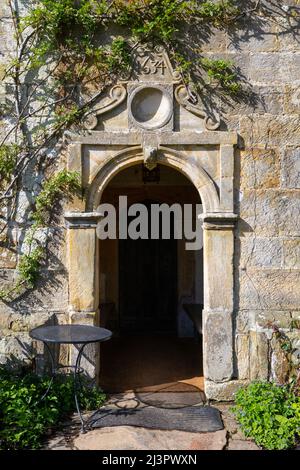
70 334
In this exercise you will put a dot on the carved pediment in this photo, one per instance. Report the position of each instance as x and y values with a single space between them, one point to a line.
153 92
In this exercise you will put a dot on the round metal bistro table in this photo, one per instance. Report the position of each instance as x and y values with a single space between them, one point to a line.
70 334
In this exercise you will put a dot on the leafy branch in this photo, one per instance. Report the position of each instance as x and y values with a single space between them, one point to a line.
61 67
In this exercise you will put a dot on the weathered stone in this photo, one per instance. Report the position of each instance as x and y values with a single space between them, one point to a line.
259 356
238 444
27 321
8 257
271 213
291 99
223 391
274 68
268 130
7 277
24 205
17 347
269 289
242 352
82 282
260 168
245 321
291 168
291 253
295 358
217 42
266 318
280 367
218 345
267 99
130 438
261 252
266 40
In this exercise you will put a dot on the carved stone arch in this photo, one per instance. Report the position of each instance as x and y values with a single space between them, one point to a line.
184 138
169 157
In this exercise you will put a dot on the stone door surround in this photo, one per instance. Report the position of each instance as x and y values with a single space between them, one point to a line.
151 134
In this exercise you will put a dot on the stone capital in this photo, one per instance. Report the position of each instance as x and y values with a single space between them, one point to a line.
77 220
218 220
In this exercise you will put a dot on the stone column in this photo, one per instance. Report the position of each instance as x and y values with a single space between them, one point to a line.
83 267
218 238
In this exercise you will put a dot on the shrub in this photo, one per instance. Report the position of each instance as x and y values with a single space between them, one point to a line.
268 413
25 418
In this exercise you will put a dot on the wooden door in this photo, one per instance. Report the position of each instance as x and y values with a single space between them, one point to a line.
147 286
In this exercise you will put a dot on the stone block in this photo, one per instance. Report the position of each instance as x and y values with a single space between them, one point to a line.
269 289
259 356
280 366
242 352
263 99
21 6
263 39
274 68
271 212
8 257
217 42
261 252
81 264
7 277
24 205
7 33
288 24
50 293
267 318
267 130
291 99
218 358
27 321
17 347
241 444
54 241
260 169
245 321
223 391
290 176
291 253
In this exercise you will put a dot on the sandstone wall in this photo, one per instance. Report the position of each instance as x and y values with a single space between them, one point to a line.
267 197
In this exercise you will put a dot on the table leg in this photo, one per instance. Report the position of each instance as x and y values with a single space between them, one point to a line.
53 371
77 385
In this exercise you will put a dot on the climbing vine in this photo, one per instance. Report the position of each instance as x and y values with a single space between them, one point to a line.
67 54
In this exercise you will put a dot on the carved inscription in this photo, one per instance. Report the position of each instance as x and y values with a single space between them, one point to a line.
154 61
151 66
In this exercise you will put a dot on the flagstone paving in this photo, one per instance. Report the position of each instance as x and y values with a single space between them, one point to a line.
138 438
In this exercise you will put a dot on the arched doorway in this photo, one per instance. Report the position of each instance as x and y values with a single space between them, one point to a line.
210 169
145 285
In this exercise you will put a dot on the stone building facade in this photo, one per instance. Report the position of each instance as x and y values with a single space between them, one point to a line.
246 172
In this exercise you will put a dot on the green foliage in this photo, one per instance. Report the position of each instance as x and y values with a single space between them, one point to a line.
66 36
153 18
218 12
269 414
119 59
63 184
8 159
69 28
25 419
29 265
223 72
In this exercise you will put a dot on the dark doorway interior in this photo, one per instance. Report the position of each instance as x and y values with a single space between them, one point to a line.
148 285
